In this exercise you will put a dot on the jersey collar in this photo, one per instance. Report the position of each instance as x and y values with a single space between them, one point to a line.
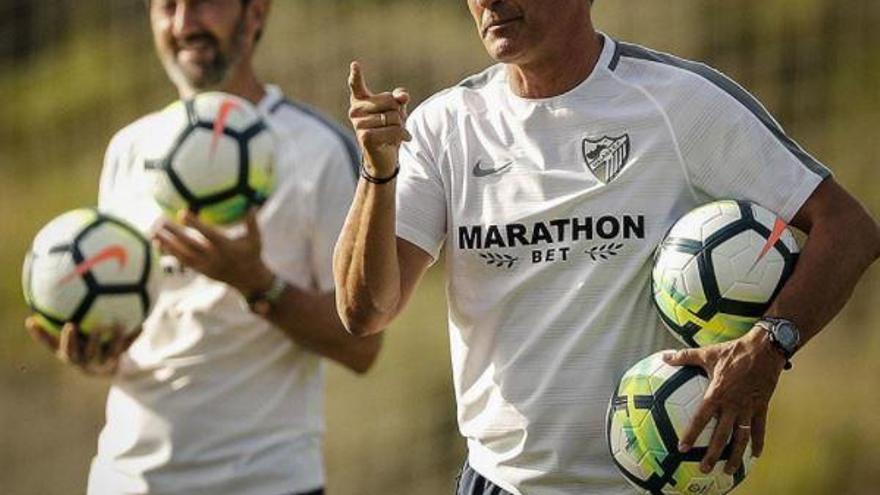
609 48
273 96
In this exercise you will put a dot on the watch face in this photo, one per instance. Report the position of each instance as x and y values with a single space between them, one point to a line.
787 335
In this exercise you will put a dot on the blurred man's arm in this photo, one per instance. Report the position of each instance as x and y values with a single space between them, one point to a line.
96 353
309 318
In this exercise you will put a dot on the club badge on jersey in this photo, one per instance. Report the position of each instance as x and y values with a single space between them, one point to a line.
606 156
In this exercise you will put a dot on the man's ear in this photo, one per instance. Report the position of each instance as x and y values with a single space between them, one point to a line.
258 16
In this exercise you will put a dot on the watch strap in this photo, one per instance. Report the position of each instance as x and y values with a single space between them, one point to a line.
770 326
263 301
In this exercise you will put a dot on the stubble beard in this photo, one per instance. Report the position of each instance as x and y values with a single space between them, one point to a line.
210 75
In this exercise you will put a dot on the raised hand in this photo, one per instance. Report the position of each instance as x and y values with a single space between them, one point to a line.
95 353
379 120
743 375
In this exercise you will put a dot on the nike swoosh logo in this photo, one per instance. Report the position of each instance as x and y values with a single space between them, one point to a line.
109 253
778 229
220 124
479 171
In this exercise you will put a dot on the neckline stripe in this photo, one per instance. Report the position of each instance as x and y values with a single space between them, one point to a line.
350 147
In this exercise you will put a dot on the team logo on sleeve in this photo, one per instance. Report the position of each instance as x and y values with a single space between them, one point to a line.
606 156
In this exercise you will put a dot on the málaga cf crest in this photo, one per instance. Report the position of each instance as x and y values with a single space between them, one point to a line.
606 156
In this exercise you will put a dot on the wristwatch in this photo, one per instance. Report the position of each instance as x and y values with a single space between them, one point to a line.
784 335
264 301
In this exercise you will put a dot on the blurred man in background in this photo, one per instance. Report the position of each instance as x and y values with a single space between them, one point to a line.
507 167
222 391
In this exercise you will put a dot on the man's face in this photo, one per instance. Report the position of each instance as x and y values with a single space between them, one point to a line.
199 41
521 31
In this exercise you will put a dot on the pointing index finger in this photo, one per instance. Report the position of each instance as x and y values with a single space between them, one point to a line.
356 82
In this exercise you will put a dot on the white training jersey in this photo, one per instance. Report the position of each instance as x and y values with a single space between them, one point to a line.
549 211
212 399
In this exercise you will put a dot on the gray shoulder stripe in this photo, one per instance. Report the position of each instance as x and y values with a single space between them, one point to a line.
278 104
350 147
476 81
731 88
615 59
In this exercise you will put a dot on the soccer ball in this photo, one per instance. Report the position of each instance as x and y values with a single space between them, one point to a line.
651 408
212 154
91 269
718 270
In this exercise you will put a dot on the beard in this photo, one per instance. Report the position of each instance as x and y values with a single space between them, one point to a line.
205 72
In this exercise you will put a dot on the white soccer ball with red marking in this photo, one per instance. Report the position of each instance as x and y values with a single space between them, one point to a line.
91 269
719 268
212 154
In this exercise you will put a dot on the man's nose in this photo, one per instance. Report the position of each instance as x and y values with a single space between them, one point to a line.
185 19
487 3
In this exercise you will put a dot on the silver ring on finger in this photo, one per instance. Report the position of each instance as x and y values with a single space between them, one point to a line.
744 427
384 119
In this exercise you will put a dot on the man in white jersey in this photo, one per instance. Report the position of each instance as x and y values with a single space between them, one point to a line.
216 397
572 142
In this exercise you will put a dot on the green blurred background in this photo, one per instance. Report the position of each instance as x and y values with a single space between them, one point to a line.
72 72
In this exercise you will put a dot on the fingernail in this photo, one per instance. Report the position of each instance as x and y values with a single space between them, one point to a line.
668 356
683 447
705 469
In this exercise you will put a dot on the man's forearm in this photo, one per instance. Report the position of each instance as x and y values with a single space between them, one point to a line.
837 253
310 320
366 262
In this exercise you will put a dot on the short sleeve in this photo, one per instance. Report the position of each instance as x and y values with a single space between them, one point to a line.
421 196
335 190
733 148
113 156
123 191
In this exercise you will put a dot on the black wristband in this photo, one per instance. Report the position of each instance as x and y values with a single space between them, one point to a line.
378 180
